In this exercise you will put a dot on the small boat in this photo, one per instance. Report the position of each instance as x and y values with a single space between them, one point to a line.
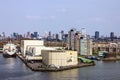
9 50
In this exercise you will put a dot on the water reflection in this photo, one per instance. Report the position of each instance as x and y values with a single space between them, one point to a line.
15 69
10 63
64 75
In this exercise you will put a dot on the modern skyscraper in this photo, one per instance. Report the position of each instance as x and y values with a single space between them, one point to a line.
28 35
77 42
96 35
32 35
65 37
3 35
62 34
46 35
57 37
112 36
15 35
83 46
36 35
71 34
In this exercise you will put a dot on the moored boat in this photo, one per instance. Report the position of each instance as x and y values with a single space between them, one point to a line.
9 50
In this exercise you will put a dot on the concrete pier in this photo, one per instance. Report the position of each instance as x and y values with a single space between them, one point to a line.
111 59
39 66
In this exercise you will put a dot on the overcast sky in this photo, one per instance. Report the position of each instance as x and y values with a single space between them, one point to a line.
55 15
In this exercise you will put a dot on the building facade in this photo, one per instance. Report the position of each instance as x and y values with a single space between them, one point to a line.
59 58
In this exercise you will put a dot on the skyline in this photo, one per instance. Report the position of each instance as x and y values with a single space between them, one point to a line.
56 15
50 33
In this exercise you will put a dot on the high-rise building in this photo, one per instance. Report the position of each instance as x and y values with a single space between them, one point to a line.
3 35
96 35
36 35
80 42
46 35
28 35
15 35
62 35
49 35
65 37
71 34
57 37
83 46
32 35
77 42
89 47
112 36
53 36
19 37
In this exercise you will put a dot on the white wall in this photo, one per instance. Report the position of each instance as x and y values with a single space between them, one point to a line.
25 43
37 49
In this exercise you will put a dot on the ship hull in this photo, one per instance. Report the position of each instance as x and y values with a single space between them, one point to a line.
9 50
7 55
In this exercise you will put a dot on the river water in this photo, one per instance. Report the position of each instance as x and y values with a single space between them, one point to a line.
14 69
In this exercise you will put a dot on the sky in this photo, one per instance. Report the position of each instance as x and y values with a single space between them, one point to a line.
55 15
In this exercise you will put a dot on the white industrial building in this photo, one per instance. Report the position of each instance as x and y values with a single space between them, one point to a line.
31 49
25 44
59 58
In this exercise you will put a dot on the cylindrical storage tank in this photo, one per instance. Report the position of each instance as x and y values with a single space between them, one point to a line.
33 51
30 50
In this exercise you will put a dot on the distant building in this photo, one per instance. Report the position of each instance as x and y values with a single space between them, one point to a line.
49 35
3 33
62 35
112 48
65 38
46 35
96 35
19 37
28 35
36 35
112 36
15 35
77 42
71 34
85 46
80 42
57 37
32 35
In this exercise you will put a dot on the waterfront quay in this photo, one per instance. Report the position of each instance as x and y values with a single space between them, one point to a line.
39 66
111 59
